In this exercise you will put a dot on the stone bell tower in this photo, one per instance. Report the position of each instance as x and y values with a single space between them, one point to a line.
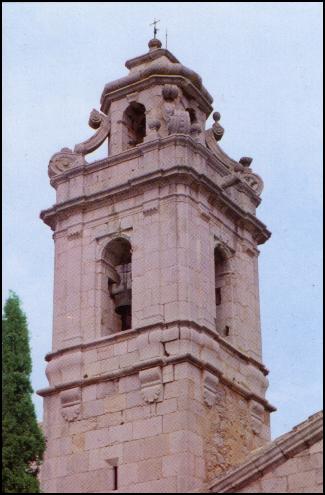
156 381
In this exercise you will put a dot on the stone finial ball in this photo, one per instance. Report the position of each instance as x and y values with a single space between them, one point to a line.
154 44
216 116
170 92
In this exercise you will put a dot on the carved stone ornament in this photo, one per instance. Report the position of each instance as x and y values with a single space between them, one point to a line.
243 172
64 160
255 182
239 171
210 384
257 416
151 384
98 121
70 403
218 130
71 413
170 92
178 120
67 159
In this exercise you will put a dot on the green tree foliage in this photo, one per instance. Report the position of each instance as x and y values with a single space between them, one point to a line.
22 439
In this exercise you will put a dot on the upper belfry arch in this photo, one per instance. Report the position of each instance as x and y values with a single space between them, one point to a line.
156 330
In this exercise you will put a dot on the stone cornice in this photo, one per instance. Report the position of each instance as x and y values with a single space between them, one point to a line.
250 221
123 87
149 57
222 166
117 337
201 363
222 163
160 361
182 172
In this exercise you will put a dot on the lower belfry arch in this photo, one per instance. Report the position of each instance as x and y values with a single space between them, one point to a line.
117 296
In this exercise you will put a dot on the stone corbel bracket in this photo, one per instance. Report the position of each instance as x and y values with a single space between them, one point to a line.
151 207
257 416
70 403
100 121
210 387
151 384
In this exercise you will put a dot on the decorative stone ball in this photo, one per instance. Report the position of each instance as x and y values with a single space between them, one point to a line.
216 116
95 119
170 92
154 44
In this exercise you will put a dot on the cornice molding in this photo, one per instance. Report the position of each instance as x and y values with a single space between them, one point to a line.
119 337
149 57
160 361
248 220
158 74
181 172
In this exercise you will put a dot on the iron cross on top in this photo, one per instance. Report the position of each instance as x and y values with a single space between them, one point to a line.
155 29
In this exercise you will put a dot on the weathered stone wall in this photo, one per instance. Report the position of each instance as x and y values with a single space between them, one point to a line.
230 435
157 446
137 400
173 240
302 473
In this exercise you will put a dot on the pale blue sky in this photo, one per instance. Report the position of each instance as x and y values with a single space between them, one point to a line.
262 63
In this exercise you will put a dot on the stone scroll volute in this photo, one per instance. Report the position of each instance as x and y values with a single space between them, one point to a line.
66 159
63 161
97 120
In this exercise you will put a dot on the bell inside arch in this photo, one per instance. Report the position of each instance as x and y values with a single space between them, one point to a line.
122 295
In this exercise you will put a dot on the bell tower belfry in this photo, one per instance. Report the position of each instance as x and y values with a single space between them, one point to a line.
156 381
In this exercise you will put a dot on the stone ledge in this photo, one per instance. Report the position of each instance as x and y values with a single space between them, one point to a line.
117 337
156 75
160 361
260 232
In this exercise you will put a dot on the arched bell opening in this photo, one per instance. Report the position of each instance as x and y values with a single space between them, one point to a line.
222 291
118 273
134 120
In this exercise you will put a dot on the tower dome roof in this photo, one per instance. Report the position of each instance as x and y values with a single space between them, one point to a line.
157 66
